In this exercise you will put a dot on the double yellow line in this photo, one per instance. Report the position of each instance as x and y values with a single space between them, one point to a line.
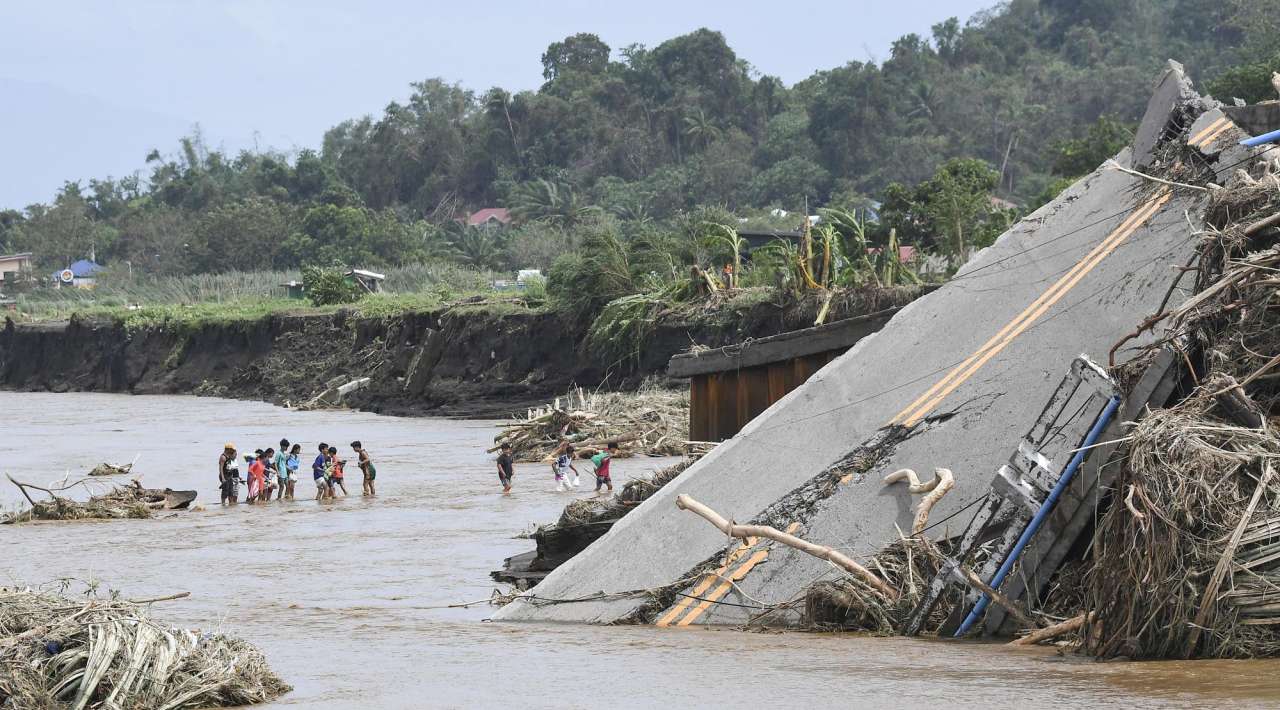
726 582
682 615
932 397
1210 133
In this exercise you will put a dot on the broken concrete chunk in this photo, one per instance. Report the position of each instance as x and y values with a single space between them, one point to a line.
1173 90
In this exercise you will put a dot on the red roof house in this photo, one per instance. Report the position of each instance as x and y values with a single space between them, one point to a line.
489 216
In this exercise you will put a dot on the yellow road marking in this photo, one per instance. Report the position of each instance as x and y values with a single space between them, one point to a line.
719 576
1109 245
1209 139
995 339
667 618
1214 125
925 403
719 591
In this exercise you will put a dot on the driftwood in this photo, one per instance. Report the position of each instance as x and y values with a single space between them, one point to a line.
1054 631
976 582
742 532
943 481
1235 403
127 501
106 469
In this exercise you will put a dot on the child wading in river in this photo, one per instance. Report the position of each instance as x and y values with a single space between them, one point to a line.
271 477
318 472
561 468
281 462
366 467
601 462
335 472
292 463
257 476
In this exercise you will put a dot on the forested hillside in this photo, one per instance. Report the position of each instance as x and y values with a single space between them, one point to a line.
645 143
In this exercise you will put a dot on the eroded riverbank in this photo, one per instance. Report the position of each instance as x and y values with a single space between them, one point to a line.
344 598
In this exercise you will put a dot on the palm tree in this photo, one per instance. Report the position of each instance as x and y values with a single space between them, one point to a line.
701 129
477 246
925 99
545 201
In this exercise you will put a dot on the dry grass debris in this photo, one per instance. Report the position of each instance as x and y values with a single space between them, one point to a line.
58 651
652 421
123 501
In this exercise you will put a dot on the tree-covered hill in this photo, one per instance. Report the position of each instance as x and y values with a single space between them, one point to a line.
641 140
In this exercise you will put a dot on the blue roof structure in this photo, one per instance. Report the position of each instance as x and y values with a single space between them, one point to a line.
82 269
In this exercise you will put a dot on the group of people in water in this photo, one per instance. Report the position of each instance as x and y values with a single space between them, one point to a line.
273 473
562 466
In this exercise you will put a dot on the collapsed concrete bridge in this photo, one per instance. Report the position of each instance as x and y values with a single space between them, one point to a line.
953 380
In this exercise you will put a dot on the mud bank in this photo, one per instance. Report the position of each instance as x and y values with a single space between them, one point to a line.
467 360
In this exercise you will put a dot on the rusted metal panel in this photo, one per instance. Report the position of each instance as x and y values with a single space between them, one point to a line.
726 412
699 409
721 403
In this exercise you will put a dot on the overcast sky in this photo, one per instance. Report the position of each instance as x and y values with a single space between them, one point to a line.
88 88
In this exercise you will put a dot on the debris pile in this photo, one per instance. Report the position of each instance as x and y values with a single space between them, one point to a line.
60 651
1190 542
579 525
106 469
652 421
1185 561
127 501
850 603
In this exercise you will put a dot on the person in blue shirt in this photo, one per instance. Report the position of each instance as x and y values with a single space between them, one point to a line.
292 464
318 472
281 464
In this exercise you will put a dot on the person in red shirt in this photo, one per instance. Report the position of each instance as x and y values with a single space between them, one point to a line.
337 473
257 477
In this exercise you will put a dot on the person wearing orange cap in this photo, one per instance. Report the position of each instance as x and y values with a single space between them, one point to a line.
229 474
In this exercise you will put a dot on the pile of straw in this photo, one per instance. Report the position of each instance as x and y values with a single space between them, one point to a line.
850 603
1186 561
652 420
1154 582
57 651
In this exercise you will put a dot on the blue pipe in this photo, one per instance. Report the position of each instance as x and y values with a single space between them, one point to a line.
1045 508
1259 140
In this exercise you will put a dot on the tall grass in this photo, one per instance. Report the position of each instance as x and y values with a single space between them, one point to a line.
407 287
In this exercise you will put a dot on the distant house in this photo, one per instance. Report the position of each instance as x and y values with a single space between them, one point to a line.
13 266
489 217
80 274
906 253
1002 204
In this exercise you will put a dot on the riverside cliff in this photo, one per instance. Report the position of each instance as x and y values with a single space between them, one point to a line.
471 359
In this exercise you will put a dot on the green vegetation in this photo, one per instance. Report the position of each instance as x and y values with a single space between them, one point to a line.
328 286
628 168
205 298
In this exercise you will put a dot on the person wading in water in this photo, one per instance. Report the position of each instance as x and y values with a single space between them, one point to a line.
228 475
506 469
366 467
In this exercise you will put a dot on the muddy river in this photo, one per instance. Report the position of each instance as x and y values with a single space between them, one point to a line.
345 598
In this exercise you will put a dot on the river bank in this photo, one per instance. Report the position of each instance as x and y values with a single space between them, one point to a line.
465 359
346 600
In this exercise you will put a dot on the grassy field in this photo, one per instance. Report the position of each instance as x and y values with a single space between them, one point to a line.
141 301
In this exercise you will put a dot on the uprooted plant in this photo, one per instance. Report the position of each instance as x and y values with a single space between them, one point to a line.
75 652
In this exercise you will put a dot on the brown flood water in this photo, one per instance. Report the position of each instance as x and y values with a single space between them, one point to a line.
342 597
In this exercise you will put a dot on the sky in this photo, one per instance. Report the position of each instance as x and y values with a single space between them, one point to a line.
89 87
